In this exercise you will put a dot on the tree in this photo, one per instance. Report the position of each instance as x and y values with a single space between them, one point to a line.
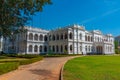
15 14
116 44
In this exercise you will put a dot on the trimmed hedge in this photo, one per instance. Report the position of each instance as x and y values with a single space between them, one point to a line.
7 67
60 55
28 56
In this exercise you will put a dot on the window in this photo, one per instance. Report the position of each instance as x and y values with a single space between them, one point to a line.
36 48
86 48
40 48
36 37
53 49
41 37
50 37
70 36
61 37
30 36
45 38
88 38
53 37
45 48
66 36
80 36
57 37
80 48
30 48
57 48
71 48
89 49
66 48
85 38
91 39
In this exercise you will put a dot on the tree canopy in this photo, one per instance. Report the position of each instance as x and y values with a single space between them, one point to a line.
15 14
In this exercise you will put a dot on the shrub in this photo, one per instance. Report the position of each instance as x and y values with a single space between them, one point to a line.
9 66
29 56
117 51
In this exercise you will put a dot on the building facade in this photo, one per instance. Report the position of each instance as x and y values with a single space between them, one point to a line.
1 44
72 39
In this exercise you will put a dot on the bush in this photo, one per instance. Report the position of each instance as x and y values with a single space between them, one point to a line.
117 51
60 55
9 66
28 56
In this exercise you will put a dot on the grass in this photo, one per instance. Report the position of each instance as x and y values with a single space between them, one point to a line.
7 67
93 68
12 62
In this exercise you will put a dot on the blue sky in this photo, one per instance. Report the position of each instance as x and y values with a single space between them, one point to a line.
102 15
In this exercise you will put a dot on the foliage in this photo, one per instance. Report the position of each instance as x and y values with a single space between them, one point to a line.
15 14
116 44
28 56
117 51
92 68
60 55
9 66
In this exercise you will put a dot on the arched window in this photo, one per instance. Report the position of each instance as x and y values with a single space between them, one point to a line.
30 36
57 48
88 38
50 37
89 49
36 37
66 36
98 39
70 36
53 37
45 48
61 37
91 39
53 48
66 48
40 48
80 48
57 37
86 48
30 48
45 38
80 36
85 38
36 48
71 48
41 37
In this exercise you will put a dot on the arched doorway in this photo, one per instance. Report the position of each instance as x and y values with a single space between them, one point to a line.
99 50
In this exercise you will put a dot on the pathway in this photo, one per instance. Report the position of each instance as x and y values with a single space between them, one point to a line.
47 69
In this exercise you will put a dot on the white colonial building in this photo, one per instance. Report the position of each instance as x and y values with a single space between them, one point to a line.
72 39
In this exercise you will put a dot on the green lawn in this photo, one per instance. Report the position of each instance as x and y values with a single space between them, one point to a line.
12 62
93 68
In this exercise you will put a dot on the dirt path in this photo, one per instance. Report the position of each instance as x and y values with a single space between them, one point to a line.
47 69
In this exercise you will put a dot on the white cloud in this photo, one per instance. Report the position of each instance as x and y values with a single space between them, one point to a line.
101 16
